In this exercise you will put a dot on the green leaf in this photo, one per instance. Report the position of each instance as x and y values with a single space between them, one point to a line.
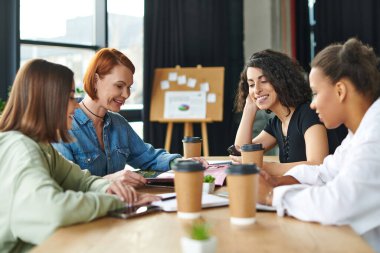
208 179
200 231
2 105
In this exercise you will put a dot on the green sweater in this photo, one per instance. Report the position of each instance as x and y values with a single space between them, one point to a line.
41 191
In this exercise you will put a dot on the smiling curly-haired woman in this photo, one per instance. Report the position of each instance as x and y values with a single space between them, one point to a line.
272 81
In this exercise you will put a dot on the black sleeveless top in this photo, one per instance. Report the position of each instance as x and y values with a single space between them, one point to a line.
292 147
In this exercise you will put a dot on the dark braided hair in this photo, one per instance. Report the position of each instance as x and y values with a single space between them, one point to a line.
286 76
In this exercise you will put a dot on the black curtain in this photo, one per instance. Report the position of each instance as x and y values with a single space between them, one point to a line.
338 20
9 44
302 33
187 33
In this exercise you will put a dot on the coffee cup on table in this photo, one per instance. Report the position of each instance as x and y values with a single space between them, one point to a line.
192 146
188 182
252 153
242 184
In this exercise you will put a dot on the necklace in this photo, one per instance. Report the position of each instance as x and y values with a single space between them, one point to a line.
92 112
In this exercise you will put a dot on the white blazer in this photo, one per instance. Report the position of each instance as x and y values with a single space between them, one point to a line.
345 189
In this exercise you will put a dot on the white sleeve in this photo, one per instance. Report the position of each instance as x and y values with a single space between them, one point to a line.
352 197
320 174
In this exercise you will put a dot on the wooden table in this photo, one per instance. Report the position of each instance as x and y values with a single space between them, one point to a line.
161 232
267 158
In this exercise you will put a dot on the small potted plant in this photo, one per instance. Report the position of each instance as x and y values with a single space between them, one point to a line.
79 94
208 184
2 105
199 240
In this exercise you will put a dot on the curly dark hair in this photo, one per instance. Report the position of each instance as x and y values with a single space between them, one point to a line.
286 76
352 60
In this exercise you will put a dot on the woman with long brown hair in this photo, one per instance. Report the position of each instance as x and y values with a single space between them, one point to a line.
40 190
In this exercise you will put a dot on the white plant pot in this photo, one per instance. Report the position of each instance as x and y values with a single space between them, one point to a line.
208 187
198 246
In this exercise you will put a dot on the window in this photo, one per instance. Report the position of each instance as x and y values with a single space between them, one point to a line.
69 32
126 33
58 31
312 23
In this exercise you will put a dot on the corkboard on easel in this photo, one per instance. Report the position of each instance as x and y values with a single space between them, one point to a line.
207 79
164 81
214 76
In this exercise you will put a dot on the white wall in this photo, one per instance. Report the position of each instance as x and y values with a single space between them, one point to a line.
262 26
261 31
257 26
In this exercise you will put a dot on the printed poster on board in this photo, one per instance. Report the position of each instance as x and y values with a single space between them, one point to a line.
185 105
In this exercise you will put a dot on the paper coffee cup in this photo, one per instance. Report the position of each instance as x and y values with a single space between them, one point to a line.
242 184
252 153
192 146
188 182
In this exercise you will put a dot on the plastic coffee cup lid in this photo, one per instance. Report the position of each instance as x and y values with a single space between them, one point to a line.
242 169
187 166
251 147
191 139
184 215
242 221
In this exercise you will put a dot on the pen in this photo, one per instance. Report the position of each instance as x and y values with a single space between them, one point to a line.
168 198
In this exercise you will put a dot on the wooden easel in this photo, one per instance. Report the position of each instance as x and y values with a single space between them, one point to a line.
214 111
188 131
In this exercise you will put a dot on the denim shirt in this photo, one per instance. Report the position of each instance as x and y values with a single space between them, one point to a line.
121 146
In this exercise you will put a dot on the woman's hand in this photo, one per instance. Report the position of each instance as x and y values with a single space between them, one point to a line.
146 198
128 194
251 103
266 185
127 177
125 192
235 159
201 160
268 182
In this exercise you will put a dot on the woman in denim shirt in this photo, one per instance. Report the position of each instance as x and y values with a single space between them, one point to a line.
105 142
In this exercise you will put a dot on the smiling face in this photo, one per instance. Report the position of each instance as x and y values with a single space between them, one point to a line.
114 89
260 89
73 104
326 101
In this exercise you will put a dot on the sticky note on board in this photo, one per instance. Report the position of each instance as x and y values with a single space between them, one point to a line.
211 98
172 76
164 84
205 86
191 82
181 80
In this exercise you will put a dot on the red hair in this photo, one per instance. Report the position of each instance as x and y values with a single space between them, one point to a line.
102 64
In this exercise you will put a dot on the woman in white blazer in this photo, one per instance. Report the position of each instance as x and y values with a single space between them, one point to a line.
344 190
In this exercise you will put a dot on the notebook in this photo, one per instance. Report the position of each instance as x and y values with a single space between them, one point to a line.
259 207
208 200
